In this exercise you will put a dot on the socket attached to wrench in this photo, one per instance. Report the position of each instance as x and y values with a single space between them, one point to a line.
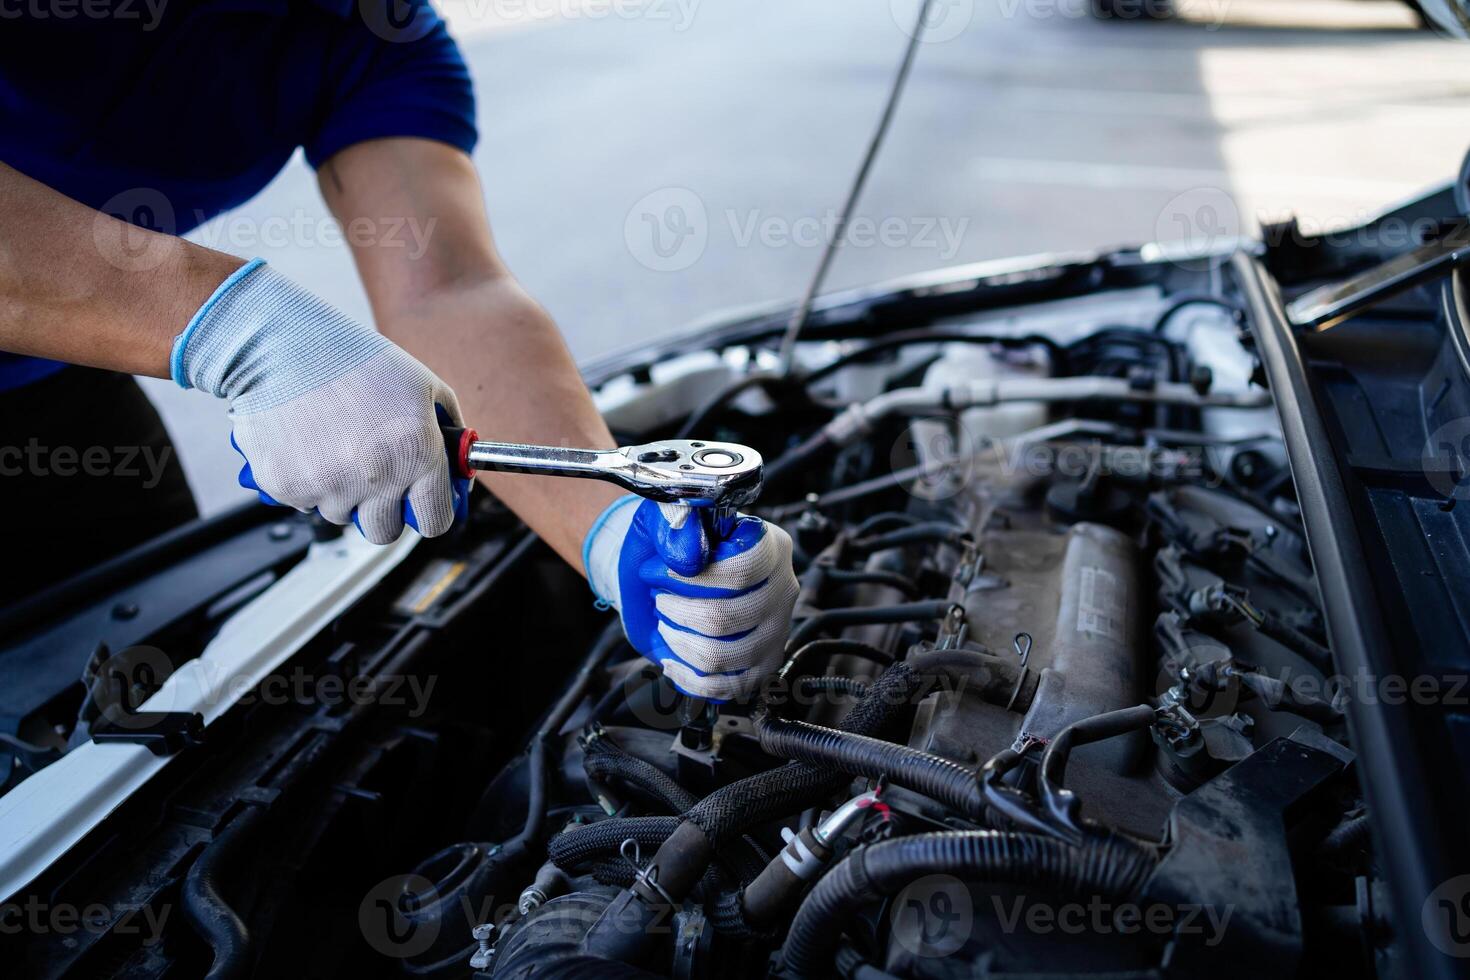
718 478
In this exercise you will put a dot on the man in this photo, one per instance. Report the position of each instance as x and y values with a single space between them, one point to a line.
173 121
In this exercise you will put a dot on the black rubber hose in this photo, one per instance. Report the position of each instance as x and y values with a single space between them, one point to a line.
748 802
540 751
992 676
1112 868
721 903
571 848
1182 300
596 843
883 520
619 692
611 871
772 382
929 532
536 800
860 755
796 664
1061 804
605 759
206 907
1350 835
908 612
1278 695
622 933
798 785
1297 642
727 914
842 685
1010 802
866 576
803 455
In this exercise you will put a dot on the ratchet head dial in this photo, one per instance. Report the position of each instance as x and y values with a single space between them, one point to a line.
700 473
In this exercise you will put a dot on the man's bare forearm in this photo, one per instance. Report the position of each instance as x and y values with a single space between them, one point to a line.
451 303
515 382
83 287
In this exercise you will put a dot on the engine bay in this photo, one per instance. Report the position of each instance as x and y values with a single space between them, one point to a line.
1027 553
1058 700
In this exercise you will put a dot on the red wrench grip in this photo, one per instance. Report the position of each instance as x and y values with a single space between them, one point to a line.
457 440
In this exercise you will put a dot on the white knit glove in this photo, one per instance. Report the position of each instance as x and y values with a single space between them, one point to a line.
329 414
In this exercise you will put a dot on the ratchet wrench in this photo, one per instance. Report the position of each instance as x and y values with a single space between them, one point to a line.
719 478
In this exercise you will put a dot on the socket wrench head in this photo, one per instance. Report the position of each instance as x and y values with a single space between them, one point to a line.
721 475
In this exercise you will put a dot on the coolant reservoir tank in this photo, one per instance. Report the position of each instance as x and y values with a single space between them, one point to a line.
962 363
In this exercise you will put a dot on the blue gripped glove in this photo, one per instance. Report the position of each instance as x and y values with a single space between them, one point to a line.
329 415
713 616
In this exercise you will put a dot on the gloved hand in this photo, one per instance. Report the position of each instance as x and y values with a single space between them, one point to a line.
715 615
329 414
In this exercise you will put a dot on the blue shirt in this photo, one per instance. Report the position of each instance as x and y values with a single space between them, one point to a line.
166 114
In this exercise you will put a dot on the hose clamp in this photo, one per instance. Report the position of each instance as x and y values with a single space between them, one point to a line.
645 877
798 855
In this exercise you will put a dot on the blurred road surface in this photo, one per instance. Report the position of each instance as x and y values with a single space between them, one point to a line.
649 163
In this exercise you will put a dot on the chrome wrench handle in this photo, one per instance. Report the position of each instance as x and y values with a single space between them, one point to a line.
509 457
720 476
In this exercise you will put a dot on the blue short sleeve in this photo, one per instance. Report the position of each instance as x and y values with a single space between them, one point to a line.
395 79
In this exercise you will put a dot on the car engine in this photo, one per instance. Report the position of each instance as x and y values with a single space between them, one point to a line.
1058 698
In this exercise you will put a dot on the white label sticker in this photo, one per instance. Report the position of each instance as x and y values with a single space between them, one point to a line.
1102 605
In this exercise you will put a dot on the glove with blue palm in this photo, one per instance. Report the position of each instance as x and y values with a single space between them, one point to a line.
714 615
330 415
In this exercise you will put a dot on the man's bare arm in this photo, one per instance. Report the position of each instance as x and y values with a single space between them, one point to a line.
83 287
439 289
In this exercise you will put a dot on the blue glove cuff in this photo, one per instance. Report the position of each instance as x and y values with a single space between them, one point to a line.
592 534
176 355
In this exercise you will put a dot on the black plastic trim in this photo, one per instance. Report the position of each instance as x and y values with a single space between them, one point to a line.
1393 764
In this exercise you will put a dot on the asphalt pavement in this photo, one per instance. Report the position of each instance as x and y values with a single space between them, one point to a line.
648 163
